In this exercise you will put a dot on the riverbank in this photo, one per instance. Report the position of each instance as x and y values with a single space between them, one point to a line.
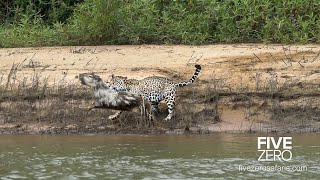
242 88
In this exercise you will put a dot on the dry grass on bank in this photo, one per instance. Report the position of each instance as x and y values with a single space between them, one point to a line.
32 105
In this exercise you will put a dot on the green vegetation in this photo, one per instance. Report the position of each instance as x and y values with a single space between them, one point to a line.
96 22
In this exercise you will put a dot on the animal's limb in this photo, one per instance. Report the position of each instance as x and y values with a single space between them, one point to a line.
170 104
115 116
94 106
99 105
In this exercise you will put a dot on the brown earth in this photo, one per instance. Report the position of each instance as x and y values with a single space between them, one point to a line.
242 87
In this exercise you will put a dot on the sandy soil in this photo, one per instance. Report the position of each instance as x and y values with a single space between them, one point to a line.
239 66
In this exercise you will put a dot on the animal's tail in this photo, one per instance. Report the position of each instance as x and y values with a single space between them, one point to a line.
193 78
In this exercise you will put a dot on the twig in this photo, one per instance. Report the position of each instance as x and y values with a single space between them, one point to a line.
94 50
32 56
198 58
284 62
257 57
273 58
119 52
13 70
96 63
195 60
190 57
315 57
88 62
23 61
301 64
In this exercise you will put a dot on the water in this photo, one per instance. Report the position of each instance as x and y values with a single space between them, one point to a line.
148 157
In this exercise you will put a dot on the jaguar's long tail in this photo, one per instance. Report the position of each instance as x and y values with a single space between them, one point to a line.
193 78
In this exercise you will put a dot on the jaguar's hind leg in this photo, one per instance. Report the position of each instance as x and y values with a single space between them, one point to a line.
170 100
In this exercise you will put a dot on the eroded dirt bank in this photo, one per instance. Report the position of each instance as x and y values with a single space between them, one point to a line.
242 87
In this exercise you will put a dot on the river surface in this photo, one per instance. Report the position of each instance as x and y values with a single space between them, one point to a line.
216 156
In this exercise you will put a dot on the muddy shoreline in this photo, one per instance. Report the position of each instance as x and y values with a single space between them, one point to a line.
200 115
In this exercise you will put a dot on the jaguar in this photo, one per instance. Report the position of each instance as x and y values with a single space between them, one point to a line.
153 89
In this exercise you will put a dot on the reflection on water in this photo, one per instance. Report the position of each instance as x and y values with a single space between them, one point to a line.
147 157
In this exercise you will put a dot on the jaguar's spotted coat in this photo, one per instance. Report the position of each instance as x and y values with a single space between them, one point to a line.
154 89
